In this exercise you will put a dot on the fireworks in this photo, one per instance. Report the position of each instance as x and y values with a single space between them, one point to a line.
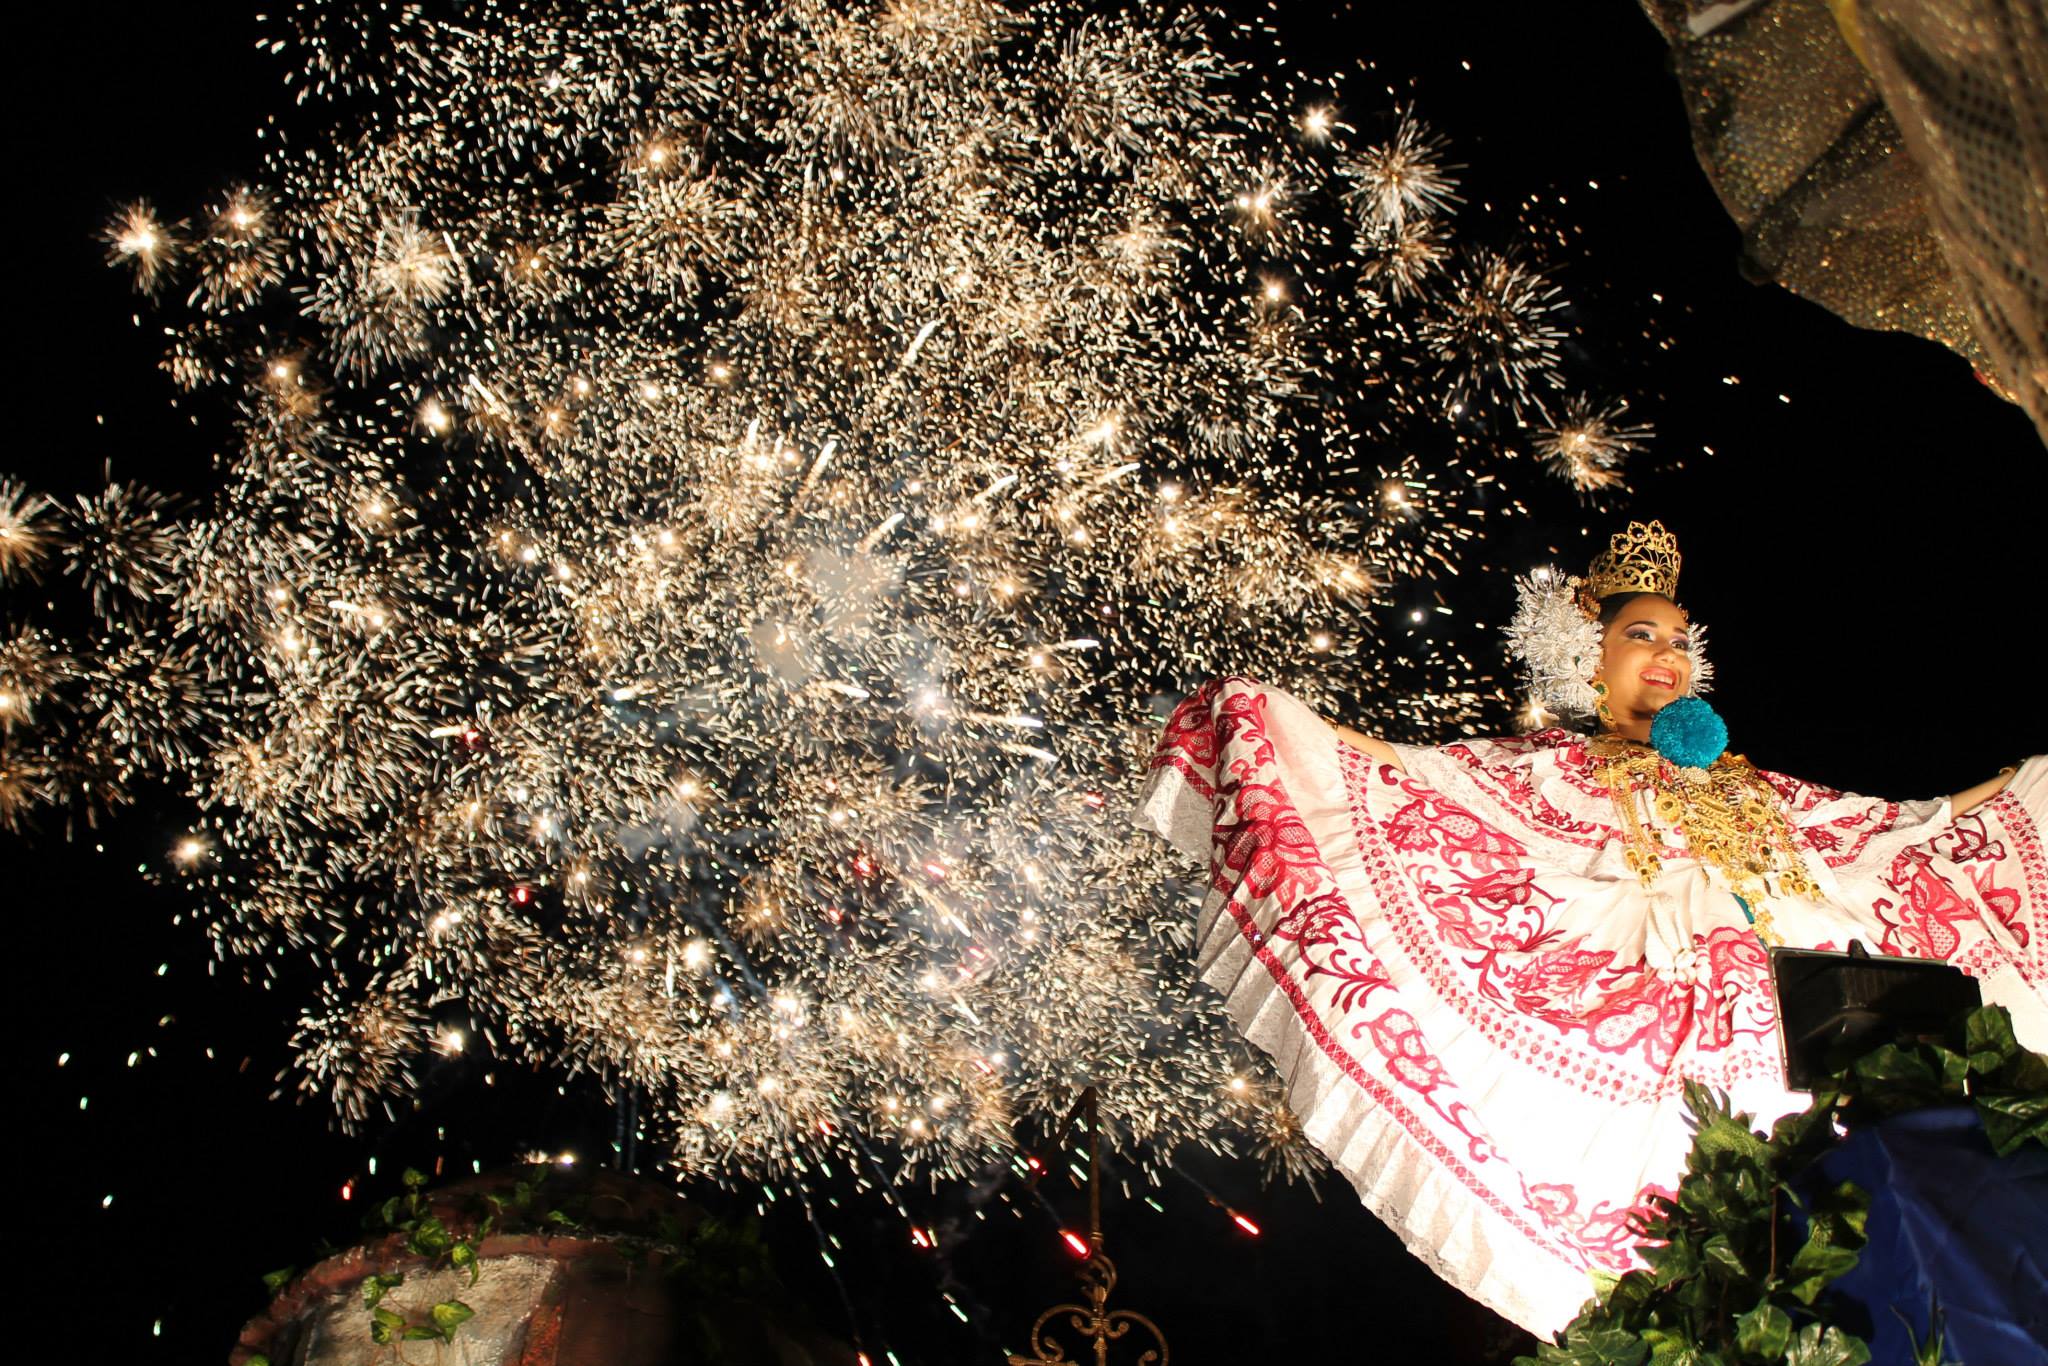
1494 334
1402 179
24 535
720 500
140 240
1589 443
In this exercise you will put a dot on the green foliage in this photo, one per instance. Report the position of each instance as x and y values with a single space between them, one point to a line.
385 1326
719 1269
376 1284
1727 1279
276 1281
427 1235
1928 1353
450 1315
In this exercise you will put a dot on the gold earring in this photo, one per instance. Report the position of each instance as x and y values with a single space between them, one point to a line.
1600 708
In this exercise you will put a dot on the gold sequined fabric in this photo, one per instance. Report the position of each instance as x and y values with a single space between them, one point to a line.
1967 83
1903 188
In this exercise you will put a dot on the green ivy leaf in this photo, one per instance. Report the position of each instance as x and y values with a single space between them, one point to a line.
1595 1347
1840 1215
1819 1345
1627 1304
1727 1136
256 1359
276 1281
463 1254
1813 1266
430 1237
1764 1332
1891 1063
1721 1253
421 1332
1672 1262
2024 1072
385 1326
450 1315
2011 1120
414 1179
1988 1036
388 1212
375 1285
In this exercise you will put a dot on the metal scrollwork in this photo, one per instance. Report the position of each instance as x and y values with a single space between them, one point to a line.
1098 1325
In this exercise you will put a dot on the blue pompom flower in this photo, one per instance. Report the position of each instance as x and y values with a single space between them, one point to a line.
1689 733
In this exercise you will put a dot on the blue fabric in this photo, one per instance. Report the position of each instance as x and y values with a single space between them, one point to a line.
1950 1221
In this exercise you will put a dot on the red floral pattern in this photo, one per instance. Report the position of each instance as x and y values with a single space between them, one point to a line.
1456 916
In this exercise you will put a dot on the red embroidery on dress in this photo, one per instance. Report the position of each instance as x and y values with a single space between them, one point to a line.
1461 911
1267 846
1274 859
1617 1041
1408 1058
1929 919
2033 861
1189 744
1510 785
2019 911
1605 1235
1411 1124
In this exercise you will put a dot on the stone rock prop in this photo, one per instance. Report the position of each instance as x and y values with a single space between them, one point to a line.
600 1294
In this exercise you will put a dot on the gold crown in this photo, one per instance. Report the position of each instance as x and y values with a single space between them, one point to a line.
1641 559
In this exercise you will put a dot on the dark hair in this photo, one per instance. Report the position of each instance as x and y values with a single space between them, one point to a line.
1611 605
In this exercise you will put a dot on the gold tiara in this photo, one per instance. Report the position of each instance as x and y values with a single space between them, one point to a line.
1641 559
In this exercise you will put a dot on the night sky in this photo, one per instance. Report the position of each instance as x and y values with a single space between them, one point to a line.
1862 540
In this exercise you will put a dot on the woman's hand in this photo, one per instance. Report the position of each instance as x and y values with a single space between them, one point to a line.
1968 800
1378 749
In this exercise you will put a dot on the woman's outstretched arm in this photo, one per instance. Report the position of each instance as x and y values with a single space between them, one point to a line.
1968 800
1378 749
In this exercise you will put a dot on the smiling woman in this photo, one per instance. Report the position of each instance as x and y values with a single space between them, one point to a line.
1488 969
1645 660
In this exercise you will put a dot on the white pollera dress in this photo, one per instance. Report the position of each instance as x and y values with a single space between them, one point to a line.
1483 1017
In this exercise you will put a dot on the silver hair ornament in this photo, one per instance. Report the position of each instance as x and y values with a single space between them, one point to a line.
1559 645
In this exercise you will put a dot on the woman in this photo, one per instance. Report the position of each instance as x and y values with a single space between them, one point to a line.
1485 969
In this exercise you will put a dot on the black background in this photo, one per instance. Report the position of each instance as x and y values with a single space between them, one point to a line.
1866 550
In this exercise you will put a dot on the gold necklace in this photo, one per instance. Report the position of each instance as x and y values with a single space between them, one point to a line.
1729 816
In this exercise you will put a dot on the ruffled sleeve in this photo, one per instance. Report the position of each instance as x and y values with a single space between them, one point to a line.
1922 882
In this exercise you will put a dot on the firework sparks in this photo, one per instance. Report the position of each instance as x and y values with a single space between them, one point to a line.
1589 443
1403 178
24 534
146 244
717 502
1494 333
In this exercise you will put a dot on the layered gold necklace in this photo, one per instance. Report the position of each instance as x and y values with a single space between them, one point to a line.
1728 815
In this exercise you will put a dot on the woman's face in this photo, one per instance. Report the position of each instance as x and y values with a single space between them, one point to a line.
1643 659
